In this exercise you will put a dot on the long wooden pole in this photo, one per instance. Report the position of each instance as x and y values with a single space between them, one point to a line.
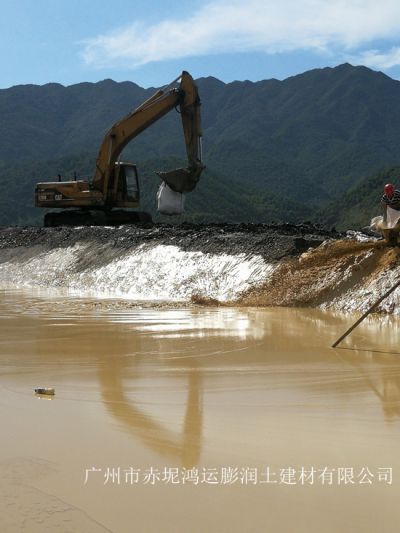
366 314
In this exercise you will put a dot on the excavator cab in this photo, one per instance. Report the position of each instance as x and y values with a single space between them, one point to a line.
125 185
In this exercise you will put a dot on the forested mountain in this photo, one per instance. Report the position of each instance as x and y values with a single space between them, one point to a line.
273 149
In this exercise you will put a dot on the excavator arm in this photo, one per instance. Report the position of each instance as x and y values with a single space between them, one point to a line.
186 98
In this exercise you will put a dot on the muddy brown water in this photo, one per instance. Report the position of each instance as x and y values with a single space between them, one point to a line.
195 419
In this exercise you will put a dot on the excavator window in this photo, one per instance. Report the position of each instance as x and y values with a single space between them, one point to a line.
132 182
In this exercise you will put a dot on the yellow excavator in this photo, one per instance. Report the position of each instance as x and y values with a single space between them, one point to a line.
115 184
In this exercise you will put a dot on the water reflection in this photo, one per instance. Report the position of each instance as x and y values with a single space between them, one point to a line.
197 323
165 335
372 351
380 373
184 446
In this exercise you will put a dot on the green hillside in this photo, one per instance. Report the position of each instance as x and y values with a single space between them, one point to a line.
273 149
361 203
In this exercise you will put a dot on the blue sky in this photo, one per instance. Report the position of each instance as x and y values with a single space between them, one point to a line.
150 42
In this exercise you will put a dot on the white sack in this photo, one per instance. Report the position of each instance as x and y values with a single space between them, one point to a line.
392 217
169 202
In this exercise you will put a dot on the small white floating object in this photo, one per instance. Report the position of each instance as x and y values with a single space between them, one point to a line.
45 390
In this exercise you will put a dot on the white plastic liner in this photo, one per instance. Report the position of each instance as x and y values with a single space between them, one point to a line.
158 272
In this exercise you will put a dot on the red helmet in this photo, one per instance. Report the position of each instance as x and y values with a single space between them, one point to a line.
389 190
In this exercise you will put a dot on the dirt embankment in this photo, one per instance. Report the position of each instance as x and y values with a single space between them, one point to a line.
341 274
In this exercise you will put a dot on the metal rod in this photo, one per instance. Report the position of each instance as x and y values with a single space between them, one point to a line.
366 313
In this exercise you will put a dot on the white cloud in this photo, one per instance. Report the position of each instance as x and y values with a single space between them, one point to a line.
377 59
249 25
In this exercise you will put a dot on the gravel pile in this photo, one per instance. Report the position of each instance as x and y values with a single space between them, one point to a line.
272 242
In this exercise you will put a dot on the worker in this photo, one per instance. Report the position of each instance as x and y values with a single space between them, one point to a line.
390 198
391 214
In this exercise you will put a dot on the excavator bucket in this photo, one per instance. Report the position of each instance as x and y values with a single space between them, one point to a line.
182 179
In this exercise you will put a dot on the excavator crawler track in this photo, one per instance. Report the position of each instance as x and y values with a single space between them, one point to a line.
95 218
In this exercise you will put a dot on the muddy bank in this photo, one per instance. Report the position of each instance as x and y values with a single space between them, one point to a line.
251 265
343 275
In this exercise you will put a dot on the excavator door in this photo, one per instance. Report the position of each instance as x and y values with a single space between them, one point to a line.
127 184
